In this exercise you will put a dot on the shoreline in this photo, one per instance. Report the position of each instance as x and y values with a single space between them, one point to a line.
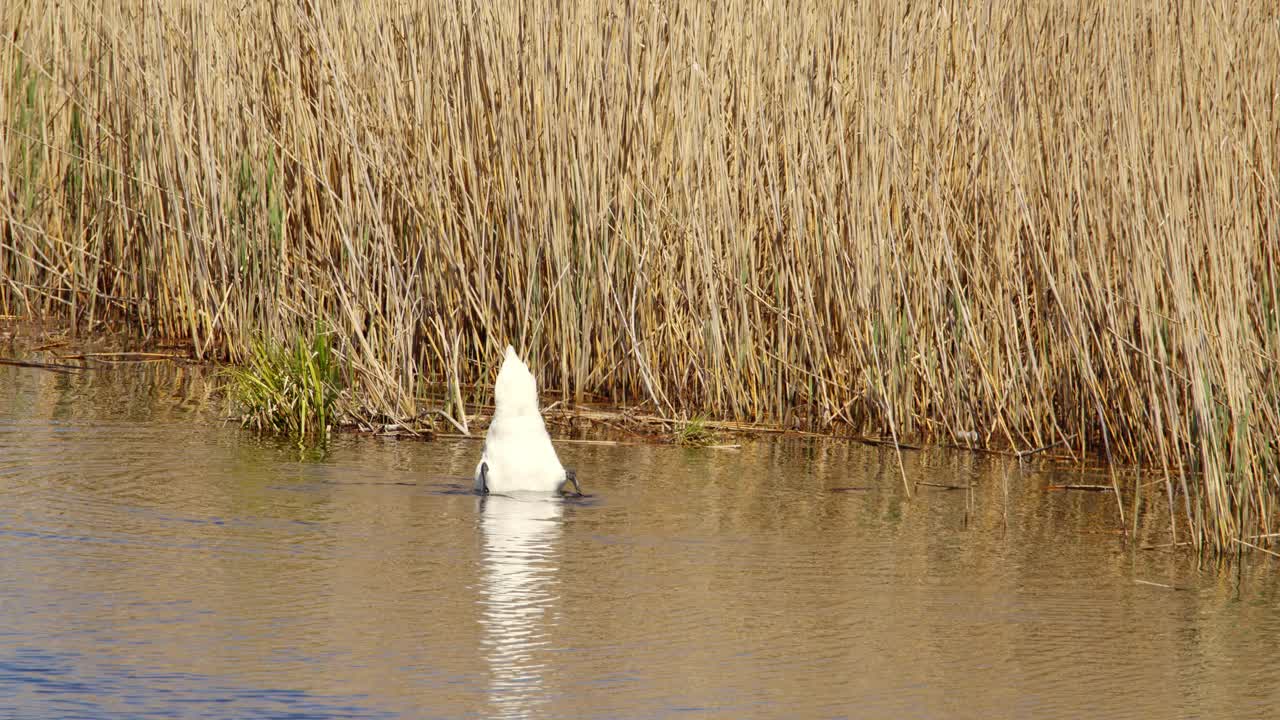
106 349
607 425
595 423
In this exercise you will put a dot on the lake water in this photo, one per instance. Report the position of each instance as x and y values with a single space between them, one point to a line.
155 562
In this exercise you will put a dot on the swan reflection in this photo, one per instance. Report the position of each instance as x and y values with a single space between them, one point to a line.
521 539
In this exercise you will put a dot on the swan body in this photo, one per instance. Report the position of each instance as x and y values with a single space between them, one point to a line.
517 449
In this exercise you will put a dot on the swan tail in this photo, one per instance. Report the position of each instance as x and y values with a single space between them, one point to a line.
515 391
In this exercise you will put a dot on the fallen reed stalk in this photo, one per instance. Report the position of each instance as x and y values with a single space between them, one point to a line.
1024 223
52 367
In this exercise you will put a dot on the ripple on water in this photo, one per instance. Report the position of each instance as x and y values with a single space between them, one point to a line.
154 568
35 683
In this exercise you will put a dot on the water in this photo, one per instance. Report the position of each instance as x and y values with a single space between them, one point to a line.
157 563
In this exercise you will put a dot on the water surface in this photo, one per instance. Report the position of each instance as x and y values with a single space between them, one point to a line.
155 562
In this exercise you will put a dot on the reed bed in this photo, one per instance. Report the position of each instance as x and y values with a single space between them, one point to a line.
1016 223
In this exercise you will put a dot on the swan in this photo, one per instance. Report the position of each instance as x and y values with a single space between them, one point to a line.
517 449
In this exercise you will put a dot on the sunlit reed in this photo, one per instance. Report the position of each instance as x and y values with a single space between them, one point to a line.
1024 223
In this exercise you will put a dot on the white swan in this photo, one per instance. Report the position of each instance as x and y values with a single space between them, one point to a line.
517 449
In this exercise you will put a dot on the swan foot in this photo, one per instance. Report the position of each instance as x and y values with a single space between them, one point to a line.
570 478
482 487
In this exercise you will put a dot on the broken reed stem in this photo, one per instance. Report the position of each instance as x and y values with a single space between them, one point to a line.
1031 220
1259 548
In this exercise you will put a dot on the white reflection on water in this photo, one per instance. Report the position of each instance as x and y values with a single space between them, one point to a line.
521 537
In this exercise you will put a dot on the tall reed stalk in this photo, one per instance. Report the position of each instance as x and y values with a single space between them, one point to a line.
1034 221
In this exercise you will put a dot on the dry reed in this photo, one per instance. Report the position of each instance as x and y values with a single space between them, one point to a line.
1019 222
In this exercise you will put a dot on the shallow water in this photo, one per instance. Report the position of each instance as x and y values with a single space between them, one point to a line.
157 563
